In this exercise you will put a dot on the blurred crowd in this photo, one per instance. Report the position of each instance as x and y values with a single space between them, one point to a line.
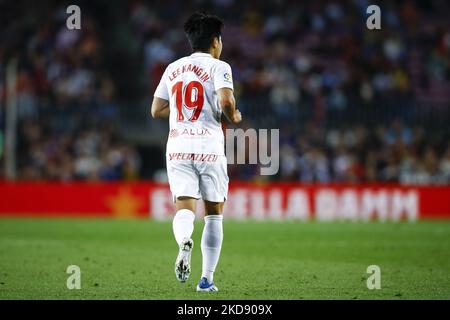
354 104
391 153
66 105
89 153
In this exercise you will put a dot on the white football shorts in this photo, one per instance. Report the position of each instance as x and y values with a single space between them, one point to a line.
198 176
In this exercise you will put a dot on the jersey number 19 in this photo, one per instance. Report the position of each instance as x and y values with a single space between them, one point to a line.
192 99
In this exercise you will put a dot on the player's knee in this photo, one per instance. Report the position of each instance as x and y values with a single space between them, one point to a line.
185 203
213 208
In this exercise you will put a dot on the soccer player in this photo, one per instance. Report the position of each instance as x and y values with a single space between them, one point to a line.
193 93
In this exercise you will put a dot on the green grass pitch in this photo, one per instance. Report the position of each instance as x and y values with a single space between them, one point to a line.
133 259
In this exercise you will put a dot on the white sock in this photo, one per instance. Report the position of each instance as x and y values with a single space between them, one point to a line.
183 224
211 244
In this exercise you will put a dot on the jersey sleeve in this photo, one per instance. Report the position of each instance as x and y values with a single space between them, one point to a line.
161 90
222 76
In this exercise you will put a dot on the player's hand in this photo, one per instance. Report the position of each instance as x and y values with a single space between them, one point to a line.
237 117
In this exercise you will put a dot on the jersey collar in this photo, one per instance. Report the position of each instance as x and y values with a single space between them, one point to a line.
201 54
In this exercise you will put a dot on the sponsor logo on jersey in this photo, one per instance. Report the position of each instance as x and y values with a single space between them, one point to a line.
173 133
193 156
196 132
227 77
189 132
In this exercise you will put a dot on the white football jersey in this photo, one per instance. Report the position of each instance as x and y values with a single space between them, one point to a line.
190 85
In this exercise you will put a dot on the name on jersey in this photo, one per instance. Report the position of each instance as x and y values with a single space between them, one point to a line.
201 74
193 156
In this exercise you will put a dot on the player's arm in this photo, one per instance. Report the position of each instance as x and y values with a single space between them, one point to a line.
160 105
223 83
227 103
160 108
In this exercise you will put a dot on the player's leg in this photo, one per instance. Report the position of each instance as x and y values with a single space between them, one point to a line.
214 190
183 221
211 244
183 226
183 181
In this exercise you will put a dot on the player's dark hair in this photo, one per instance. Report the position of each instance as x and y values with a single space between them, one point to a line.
201 29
